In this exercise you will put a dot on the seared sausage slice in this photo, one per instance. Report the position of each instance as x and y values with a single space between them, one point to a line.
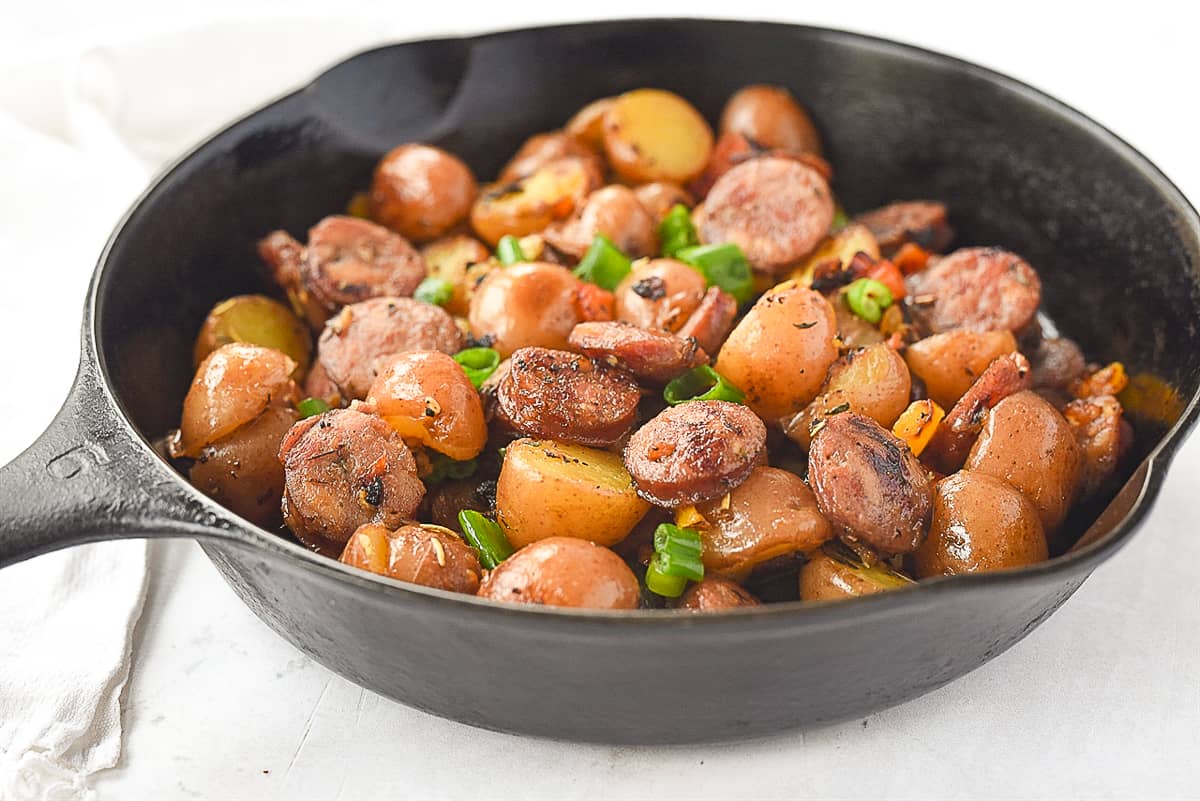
985 289
712 320
357 340
343 469
775 209
1007 375
715 593
1096 424
922 222
555 394
869 485
652 356
695 451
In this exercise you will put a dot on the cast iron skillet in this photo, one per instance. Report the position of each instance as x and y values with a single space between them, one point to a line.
1116 244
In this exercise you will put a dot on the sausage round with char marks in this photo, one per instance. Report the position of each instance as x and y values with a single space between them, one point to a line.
343 469
869 485
695 451
775 209
360 337
985 289
554 394
921 222
652 356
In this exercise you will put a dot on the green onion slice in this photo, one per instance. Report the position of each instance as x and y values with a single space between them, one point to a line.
478 363
604 264
444 468
662 583
437 291
701 383
508 251
867 298
486 537
840 220
722 265
676 231
310 407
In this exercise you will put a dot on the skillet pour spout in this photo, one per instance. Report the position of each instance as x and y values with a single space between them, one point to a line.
1117 246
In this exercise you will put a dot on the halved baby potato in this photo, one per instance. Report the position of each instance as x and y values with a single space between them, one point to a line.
656 135
255 320
530 204
556 489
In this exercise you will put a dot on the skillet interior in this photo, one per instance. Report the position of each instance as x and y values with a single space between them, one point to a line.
1115 245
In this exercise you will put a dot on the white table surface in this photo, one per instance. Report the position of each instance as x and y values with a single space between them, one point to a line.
1102 701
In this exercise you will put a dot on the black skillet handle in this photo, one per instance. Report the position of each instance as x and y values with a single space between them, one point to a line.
88 477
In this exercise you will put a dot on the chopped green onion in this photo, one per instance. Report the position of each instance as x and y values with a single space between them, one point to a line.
701 383
676 560
437 291
478 363
604 264
310 407
508 251
840 220
486 537
722 265
676 231
867 298
661 583
442 467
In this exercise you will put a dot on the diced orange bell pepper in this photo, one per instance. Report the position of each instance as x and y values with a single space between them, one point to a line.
594 303
911 258
918 423
888 274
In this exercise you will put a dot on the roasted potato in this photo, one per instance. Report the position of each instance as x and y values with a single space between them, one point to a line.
549 489
655 135
527 206
419 553
541 149
659 197
840 247
659 294
835 572
421 191
714 594
255 320
949 363
563 571
781 350
771 118
463 261
587 125
613 211
979 523
526 305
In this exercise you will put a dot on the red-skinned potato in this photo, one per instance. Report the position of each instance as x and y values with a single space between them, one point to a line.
659 294
950 362
526 305
714 594
419 553
541 149
421 191
587 125
771 118
550 193
564 571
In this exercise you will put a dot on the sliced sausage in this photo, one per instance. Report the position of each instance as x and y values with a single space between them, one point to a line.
283 257
563 571
660 295
986 289
776 209
869 485
653 356
349 260
921 222
715 593
417 553
360 337
1096 423
712 320
952 441
554 394
695 451
613 211
343 469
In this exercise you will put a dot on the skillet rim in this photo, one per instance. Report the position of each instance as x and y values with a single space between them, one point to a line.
241 532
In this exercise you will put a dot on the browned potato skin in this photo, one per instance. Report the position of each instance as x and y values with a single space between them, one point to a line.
452 259
979 524
771 118
551 193
613 211
526 305
824 578
453 423
242 471
588 123
541 149
1026 442
563 571
950 362
873 381
233 386
659 295
659 197
714 594
781 350
421 191
420 554
772 513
